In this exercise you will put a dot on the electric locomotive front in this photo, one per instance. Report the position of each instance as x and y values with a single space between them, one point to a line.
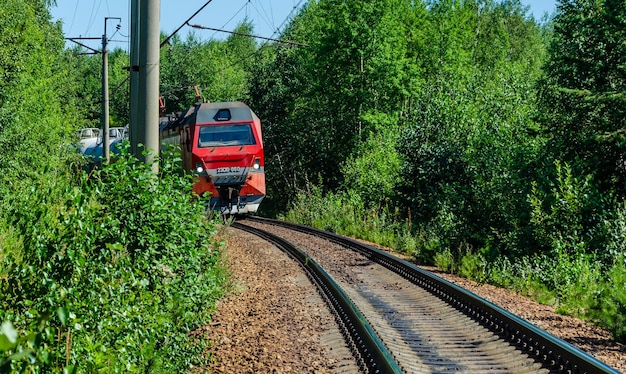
222 144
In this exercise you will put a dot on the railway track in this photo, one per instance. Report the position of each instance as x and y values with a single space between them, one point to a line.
411 321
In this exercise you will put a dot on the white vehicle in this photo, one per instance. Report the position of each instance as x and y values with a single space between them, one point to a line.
91 142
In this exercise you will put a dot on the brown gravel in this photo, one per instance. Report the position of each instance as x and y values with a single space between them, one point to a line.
274 322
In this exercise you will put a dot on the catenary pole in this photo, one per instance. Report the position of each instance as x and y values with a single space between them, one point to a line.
148 105
133 130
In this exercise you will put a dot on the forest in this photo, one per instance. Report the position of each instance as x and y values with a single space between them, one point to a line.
465 133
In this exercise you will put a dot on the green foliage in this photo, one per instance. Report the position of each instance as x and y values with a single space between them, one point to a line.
473 266
587 50
527 275
610 306
36 109
374 171
119 88
561 226
582 96
570 218
220 69
429 126
319 103
458 94
576 281
445 261
434 172
613 231
32 114
347 214
117 270
467 152
463 262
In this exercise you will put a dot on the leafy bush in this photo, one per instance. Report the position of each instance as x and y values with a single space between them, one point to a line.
346 213
473 266
610 309
611 233
527 275
575 284
445 261
117 270
373 171
562 217
575 281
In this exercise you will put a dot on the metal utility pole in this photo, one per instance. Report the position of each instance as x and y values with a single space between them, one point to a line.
105 83
105 92
134 77
148 103
105 96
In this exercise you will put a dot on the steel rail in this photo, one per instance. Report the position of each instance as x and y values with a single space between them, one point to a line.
370 352
553 353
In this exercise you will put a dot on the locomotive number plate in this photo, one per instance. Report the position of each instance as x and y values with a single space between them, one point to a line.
232 169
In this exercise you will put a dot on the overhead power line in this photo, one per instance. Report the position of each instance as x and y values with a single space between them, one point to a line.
231 18
167 40
293 10
164 42
248 35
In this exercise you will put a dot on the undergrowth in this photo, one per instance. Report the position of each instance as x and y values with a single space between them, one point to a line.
347 214
110 271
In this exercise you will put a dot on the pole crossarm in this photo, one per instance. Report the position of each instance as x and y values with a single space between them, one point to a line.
75 40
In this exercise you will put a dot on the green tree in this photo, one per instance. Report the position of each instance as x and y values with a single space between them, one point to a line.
119 88
220 69
582 118
32 112
583 95
468 151
324 100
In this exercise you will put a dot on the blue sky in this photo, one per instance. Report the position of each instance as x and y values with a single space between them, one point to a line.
85 18
539 7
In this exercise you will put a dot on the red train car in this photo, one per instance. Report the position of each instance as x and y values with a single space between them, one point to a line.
222 144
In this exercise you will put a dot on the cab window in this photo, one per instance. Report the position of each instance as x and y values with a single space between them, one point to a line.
225 135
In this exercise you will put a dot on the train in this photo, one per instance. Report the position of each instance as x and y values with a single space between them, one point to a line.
221 143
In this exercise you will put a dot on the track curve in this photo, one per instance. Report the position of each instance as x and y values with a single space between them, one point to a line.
423 328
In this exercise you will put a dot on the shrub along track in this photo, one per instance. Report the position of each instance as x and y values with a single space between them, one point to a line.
425 329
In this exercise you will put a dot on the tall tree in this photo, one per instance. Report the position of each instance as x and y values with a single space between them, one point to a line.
354 74
32 89
220 68
467 147
584 94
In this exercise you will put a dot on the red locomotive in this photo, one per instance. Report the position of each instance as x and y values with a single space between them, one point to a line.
222 144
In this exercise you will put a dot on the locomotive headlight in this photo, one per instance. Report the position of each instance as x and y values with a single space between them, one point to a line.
199 168
257 164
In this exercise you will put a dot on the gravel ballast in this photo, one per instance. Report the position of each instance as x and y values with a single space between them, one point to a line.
274 321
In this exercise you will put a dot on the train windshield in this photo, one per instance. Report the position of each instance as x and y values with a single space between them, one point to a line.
225 135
